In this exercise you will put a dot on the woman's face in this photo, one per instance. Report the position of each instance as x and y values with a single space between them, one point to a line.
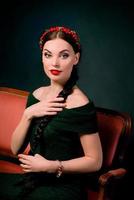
58 59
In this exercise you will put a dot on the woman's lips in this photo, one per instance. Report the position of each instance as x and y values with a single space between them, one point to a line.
55 72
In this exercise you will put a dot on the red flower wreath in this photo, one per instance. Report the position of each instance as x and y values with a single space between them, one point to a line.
72 33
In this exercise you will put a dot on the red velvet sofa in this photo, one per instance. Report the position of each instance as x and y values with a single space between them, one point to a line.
114 129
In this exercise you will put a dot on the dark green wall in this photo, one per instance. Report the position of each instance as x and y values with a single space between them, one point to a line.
107 37
106 31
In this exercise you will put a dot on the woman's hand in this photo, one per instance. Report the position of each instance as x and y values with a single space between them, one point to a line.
46 107
35 163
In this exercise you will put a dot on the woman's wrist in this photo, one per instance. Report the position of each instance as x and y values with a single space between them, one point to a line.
60 169
56 167
27 115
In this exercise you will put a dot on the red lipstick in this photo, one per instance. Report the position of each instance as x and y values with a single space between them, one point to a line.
55 72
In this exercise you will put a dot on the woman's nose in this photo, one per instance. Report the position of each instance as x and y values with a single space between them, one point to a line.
55 62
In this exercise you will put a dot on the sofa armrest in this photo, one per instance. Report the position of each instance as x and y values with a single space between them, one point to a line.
108 181
115 173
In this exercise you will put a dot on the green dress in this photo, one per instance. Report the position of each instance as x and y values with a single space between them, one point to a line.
60 141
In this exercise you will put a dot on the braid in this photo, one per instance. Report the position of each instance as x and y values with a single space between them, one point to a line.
69 85
30 180
42 122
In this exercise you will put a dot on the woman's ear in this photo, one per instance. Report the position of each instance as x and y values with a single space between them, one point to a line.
77 56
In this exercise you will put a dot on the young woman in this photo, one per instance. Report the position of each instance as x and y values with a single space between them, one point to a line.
60 124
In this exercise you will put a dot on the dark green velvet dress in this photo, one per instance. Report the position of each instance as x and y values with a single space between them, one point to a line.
60 141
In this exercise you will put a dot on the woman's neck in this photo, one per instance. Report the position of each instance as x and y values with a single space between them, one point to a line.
54 89
56 86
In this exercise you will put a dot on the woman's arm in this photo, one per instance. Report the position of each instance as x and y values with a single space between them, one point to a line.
19 134
90 162
42 108
92 159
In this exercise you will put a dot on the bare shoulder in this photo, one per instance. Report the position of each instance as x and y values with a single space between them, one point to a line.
39 92
77 98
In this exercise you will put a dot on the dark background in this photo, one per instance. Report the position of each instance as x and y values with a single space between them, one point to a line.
106 29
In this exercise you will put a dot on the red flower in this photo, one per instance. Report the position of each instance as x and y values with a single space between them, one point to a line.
72 33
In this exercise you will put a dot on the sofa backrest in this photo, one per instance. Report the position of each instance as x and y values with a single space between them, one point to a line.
115 130
12 105
114 127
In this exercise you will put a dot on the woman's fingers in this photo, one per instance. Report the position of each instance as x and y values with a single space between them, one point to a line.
23 156
25 168
25 159
55 109
58 99
59 105
51 107
26 162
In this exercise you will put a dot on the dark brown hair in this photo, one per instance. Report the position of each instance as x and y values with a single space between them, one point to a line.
64 33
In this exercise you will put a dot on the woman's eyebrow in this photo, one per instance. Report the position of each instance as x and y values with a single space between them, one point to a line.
59 52
64 50
46 50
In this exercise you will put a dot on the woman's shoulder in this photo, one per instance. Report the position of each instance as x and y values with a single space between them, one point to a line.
39 92
77 99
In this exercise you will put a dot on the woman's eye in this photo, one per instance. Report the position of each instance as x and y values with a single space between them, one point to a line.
65 55
47 55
